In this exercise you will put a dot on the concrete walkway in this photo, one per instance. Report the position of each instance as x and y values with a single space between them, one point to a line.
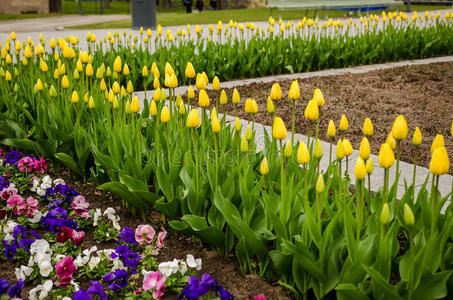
377 180
49 24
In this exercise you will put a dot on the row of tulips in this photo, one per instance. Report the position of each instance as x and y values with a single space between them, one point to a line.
282 216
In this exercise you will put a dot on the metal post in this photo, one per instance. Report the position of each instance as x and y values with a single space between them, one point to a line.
408 5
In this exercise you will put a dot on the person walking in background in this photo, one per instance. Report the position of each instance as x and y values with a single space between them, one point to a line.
199 5
188 5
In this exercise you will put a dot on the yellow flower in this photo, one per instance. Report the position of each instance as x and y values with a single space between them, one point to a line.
236 97
318 149
145 71
116 87
128 107
135 105
255 106
216 84
364 149
311 111
340 150
237 125
153 108
169 69
438 142
344 124
173 81
248 106
408 215
288 149
117 65
223 98
76 74
279 129
385 214
182 108
244 144
44 67
294 91
399 128
440 163
102 85
115 103
65 82
89 70
130 87
91 103
154 69
347 147
164 115
215 124
39 86
203 99
386 156
190 92
270 105
360 169
126 70
318 97
149 33
303 155
52 43
200 82
264 167
391 141
367 127
276 92
52 91
369 166
417 138
320 185
74 97
190 71
163 96
331 129
193 120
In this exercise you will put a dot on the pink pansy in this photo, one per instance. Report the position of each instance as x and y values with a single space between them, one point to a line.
77 237
64 282
80 207
155 280
259 297
6 193
40 165
2 154
17 204
144 234
25 164
65 268
160 239
31 206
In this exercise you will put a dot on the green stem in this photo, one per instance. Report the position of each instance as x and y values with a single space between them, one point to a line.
330 153
413 175
282 175
359 209
293 122
216 142
435 184
168 147
386 183
195 146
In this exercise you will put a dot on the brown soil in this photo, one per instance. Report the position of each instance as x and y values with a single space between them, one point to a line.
423 94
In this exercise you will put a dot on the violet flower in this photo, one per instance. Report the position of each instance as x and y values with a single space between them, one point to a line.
16 289
96 289
4 286
128 236
12 157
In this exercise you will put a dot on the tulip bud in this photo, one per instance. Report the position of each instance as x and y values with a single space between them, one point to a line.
200 82
408 215
270 105
391 141
417 137
248 132
438 142
294 91
367 127
311 111
128 107
364 149
360 169
203 99
399 128
153 108
344 124
116 87
52 91
347 147
237 125
340 150
135 105
248 106
215 124
288 149
130 87
254 106
440 163
165 115
117 65
244 144
91 103
386 156
115 103
276 92
163 96
216 84
156 83
264 167
182 108
74 97
193 119
318 149
369 166
318 97
145 71
236 97
65 82
190 71
190 92
320 186
89 70
126 70
385 214
85 98
223 98
303 155
279 129
39 86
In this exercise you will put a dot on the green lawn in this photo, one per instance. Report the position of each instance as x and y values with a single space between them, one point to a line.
240 15
27 16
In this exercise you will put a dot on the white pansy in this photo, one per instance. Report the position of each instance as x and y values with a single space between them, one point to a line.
45 268
117 264
43 290
59 181
75 285
89 251
8 237
39 257
23 272
59 257
182 267
40 246
35 185
96 216
36 217
193 263
9 228
47 180
41 192
169 267
94 261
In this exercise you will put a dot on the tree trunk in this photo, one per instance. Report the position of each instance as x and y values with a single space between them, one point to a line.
107 3
55 5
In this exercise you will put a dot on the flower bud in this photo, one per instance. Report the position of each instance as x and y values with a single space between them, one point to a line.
347 147
237 125
399 128
318 149
367 127
91 103
236 97
360 169
417 138
288 149
244 144
365 149
344 124
156 83
276 92
145 71
386 156
193 119
165 115
385 214
303 155
223 98
331 129
264 167
311 111
438 142
408 215
369 166
215 124
117 65
65 82
248 132
270 105
391 141
203 99
74 97
190 71
216 84
340 150
135 105
440 163
320 186
248 106
318 97
153 108
279 129
294 91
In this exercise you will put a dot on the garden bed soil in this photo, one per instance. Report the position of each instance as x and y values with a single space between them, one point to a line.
225 270
423 94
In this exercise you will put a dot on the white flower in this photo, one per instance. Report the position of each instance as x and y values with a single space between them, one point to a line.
40 246
91 250
59 257
47 180
45 268
94 261
23 272
193 263
116 225
75 285
35 185
44 289
182 267
36 218
59 181
8 237
39 257
169 267
117 264
96 216
41 192
9 228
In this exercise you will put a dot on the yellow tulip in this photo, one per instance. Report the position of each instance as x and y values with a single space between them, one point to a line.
347 147
344 124
279 129
391 141
74 97
153 108
264 167
367 127
203 99
127 107
318 149
223 98
386 156
248 106
91 103
102 85
163 96
385 214
318 97
89 70
399 128
193 119
365 149
216 84
360 169
255 106
311 112
320 185
145 71
294 91
438 142
417 138
270 105
276 92
135 105
440 163
115 103
237 125
200 82
182 108
303 155
165 115
130 87
154 69
190 92
169 69
288 149
331 129
248 132
236 97
117 64
369 166
65 82
244 144
408 215
116 87
39 86
340 150
126 70
215 124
